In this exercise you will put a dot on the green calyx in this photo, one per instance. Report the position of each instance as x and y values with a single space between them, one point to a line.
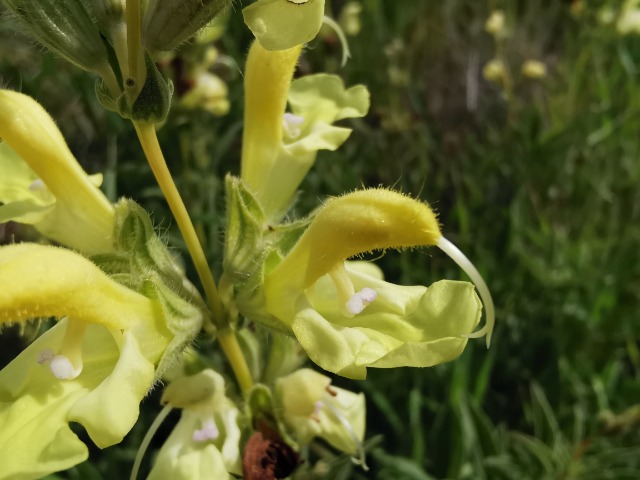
150 105
168 23
251 245
143 263
65 27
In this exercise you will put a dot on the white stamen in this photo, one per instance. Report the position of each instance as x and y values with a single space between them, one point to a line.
37 184
360 300
463 262
315 415
361 459
146 441
291 125
63 369
346 53
209 431
45 356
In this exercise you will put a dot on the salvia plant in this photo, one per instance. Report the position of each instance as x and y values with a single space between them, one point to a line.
126 313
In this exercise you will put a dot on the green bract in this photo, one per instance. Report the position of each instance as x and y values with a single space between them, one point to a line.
66 27
168 23
283 24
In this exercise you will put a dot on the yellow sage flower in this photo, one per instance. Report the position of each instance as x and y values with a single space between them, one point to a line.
50 190
347 320
93 367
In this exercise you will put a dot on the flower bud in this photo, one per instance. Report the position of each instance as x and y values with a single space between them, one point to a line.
350 18
312 407
65 27
495 23
494 71
534 69
209 93
168 23
284 24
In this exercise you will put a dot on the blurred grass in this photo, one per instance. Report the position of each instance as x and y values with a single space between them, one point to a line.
538 187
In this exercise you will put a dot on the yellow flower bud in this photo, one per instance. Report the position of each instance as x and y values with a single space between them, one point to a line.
495 24
494 71
534 69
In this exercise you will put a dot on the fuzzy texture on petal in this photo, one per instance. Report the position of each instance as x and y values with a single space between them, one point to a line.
126 337
40 280
355 223
403 326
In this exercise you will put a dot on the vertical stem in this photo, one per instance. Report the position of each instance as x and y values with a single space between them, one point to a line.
231 348
147 135
149 141
135 60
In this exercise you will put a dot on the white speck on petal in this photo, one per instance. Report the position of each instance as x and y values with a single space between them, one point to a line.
209 431
45 356
37 184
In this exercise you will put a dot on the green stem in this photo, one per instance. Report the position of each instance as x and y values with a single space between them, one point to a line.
231 348
149 141
133 83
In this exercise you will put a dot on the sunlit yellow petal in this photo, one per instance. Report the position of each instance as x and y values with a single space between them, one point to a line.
42 280
86 217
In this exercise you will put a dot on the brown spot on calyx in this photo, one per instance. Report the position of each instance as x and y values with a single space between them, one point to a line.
268 458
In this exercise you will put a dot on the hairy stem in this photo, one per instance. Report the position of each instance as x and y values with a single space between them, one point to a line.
149 141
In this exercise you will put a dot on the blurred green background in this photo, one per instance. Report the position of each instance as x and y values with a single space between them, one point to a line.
537 180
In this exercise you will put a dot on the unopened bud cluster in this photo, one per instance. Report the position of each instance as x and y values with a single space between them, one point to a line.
94 35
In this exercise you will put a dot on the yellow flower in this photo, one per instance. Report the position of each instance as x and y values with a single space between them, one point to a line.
348 320
494 71
534 69
51 191
280 147
312 407
206 441
94 367
495 24
284 24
